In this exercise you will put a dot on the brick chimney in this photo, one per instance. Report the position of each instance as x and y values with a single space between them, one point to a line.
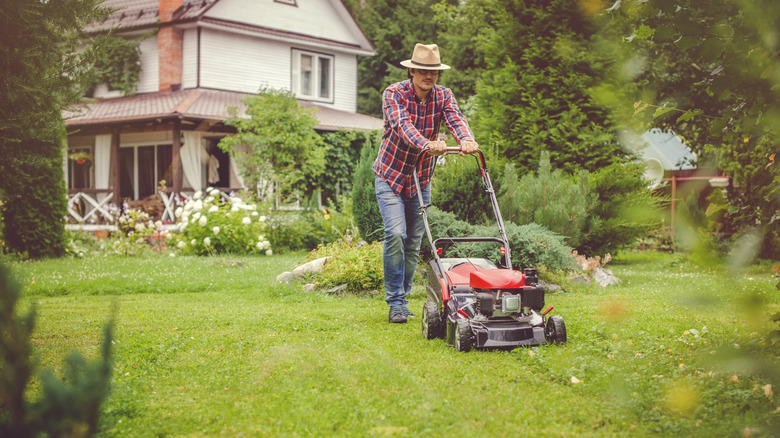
169 46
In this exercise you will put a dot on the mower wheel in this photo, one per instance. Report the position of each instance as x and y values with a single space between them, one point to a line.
555 331
431 323
464 338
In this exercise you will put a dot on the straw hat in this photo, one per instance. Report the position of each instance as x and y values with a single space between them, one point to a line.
425 56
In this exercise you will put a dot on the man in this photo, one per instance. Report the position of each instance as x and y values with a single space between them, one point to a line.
413 111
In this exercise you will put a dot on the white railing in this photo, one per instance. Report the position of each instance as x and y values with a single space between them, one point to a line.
84 208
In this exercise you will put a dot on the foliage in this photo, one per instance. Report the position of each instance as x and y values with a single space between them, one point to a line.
41 72
365 207
119 65
457 188
311 227
212 225
277 144
357 266
394 40
531 245
68 406
624 209
342 153
533 95
34 205
137 233
709 72
549 198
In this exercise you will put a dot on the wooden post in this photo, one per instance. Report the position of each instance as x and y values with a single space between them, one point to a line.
176 159
674 210
115 167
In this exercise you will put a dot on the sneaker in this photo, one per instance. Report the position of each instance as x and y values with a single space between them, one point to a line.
397 315
407 312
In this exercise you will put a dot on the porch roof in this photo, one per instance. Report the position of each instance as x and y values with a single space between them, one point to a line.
196 104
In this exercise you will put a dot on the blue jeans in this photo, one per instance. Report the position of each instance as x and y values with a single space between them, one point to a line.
403 233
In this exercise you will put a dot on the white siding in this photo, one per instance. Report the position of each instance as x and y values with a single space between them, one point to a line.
149 80
311 17
242 63
346 83
189 59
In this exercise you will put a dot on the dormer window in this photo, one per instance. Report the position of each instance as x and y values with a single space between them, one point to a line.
312 76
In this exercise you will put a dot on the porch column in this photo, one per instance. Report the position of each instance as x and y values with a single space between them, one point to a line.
115 166
176 159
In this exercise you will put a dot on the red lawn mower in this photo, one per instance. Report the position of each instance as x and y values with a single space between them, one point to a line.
472 302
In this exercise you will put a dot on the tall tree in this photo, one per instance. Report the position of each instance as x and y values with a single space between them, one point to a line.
710 71
41 72
535 74
393 26
276 144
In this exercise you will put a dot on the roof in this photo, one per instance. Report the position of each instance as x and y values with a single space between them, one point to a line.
130 15
133 14
197 104
664 146
668 148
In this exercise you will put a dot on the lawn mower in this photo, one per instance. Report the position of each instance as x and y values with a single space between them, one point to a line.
474 303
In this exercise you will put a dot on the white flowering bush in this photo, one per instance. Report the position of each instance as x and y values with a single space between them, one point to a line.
208 224
137 233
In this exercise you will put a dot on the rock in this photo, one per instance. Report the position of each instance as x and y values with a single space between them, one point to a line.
312 267
604 277
285 277
338 290
549 287
580 279
308 287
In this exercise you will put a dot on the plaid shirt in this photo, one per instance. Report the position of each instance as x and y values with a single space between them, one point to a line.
409 125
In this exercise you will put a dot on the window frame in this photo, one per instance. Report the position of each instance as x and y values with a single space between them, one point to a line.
297 76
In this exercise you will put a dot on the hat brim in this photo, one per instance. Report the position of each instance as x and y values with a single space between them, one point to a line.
411 64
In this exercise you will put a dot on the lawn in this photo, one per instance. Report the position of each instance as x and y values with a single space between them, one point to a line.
208 346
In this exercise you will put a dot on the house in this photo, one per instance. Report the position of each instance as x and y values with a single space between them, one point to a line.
198 57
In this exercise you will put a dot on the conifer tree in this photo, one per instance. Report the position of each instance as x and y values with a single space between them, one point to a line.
41 73
365 207
66 407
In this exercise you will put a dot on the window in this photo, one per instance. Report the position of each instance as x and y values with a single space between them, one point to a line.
312 76
142 167
80 168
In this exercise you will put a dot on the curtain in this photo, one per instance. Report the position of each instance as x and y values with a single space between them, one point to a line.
191 164
102 164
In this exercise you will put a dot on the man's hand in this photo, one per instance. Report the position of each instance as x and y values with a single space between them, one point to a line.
468 147
437 147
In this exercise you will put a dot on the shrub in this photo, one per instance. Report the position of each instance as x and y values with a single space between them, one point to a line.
34 199
64 406
212 225
457 188
310 228
359 267
365 208
137 233
550 198
625 209
531 245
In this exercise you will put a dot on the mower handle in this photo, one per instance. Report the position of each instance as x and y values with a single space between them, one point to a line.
450 151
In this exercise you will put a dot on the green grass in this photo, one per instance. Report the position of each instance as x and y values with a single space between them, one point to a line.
213 346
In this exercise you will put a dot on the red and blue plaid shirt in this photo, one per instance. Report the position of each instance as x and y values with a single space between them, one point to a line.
409 125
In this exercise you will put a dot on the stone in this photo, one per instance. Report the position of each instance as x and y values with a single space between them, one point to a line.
312 267
549 287
285 277
604 277
338 290
308 287
580 279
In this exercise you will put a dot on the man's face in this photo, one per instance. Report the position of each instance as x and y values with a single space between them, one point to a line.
424 79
